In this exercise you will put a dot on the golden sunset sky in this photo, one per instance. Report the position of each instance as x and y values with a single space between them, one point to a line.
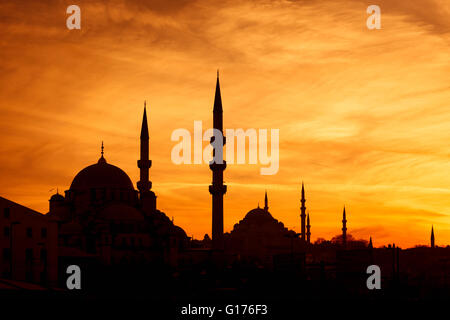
364 115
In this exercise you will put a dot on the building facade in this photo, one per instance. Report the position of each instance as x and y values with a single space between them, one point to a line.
28 244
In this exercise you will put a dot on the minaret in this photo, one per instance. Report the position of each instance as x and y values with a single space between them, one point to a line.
217 188
370 246
266 203
308 230
303 214
147 197
432 237
344 229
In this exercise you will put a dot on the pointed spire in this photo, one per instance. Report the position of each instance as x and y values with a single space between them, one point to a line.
102 149
144 128
266 202
344 229
432 236
303 190
370 243
217 98
303 215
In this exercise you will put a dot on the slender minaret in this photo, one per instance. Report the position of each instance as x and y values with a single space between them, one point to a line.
303 214
344 229
217 188
432 237
370 246
147 197
266 203
308 230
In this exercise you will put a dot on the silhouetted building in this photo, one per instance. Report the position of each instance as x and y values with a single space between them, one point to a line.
217 166
28 244
102 215
259 237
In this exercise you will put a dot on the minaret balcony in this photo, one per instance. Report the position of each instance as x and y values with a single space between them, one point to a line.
144 164
218 189
217 166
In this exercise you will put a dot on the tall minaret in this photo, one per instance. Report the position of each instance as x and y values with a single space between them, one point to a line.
308 230
432 237
344 229
148 198
303 214
217 188
370 246
266 203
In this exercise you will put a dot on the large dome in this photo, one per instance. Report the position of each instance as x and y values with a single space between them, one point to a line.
259 219
101 175
259 215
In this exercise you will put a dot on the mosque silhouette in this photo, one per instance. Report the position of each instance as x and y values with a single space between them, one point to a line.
113 231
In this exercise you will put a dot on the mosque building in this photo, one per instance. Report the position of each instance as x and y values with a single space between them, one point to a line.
103 215
104 218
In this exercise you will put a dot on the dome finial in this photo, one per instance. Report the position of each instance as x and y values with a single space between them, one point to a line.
102 160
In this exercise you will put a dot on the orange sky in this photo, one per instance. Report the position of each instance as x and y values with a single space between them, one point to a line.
363 114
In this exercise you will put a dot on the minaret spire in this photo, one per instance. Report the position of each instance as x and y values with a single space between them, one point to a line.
266 203
217 101
144 185
432 237
308 230
344 229
217 188
370 243
144 127
303 214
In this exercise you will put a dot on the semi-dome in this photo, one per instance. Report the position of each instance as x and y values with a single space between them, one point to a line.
101 175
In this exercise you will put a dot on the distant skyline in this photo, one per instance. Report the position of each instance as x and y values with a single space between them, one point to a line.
363 114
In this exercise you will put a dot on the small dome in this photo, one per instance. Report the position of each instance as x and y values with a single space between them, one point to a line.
101 175
260 219
57 197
